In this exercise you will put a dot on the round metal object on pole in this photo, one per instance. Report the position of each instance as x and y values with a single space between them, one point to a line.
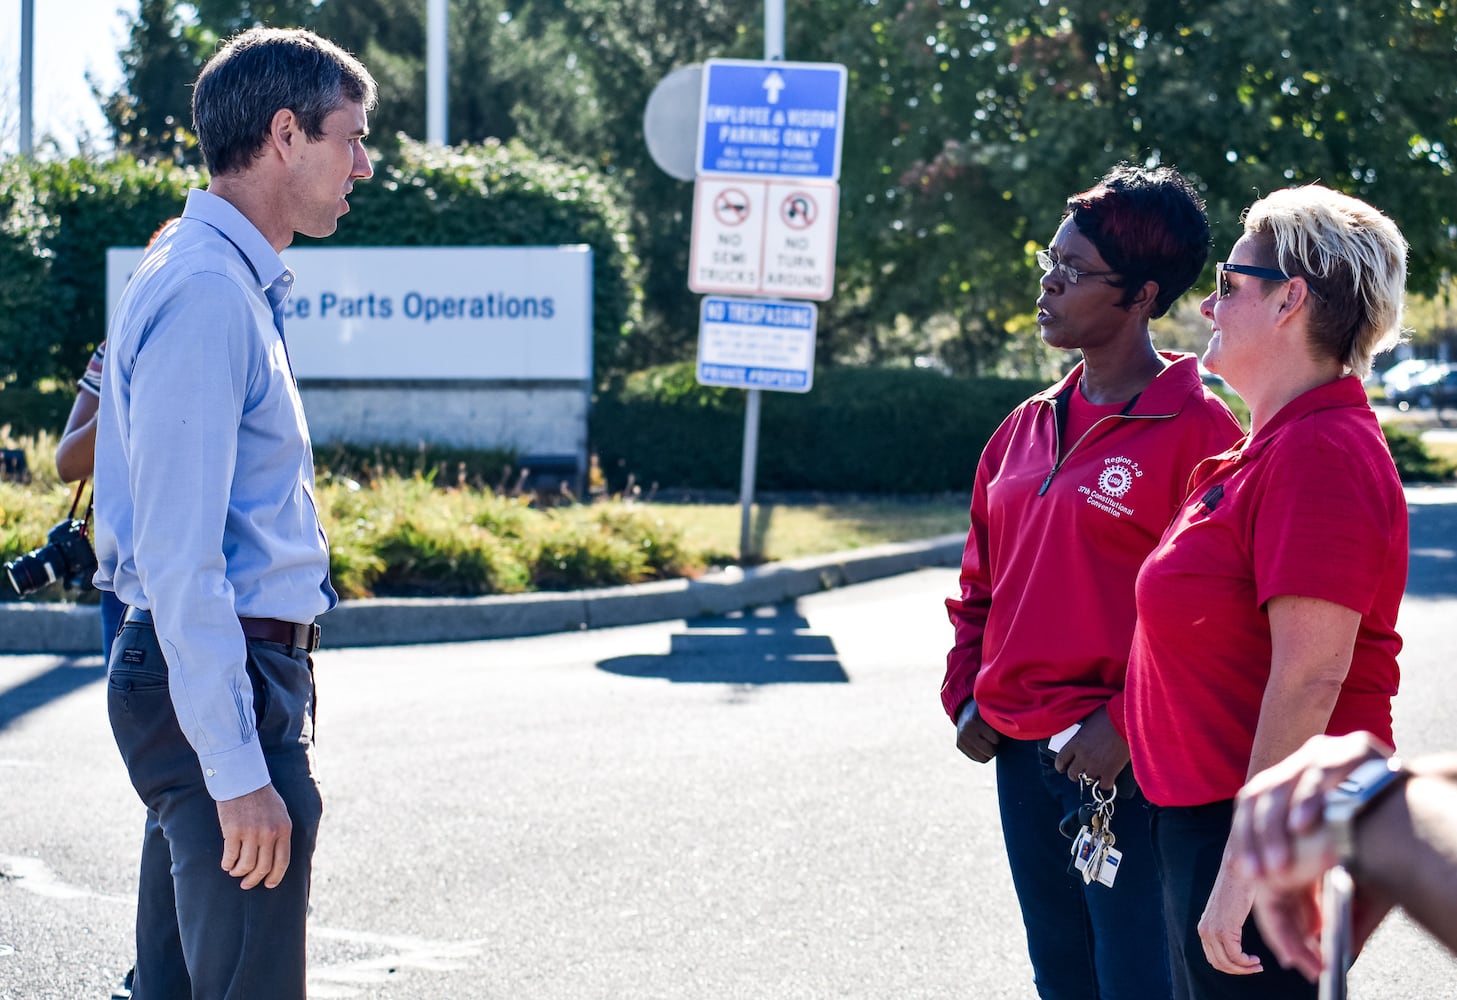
670 121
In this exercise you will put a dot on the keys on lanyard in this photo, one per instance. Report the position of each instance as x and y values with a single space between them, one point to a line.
1094 856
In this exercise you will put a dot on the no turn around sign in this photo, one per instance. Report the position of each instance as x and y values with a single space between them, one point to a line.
760 237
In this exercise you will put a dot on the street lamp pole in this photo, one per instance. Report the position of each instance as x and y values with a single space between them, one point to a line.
437 72
27 73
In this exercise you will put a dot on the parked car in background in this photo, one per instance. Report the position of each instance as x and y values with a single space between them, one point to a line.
1398 377
1434 386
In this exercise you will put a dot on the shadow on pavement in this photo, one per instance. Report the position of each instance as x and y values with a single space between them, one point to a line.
1433 567
52 685
761 646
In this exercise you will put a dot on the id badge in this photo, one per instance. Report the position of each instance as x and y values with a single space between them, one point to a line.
1082 850
1109 870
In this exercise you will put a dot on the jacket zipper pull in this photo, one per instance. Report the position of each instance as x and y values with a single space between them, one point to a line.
1048 481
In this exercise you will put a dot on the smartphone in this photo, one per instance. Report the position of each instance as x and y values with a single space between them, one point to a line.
1056 743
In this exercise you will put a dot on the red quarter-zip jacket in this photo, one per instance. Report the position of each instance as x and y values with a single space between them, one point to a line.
1045 617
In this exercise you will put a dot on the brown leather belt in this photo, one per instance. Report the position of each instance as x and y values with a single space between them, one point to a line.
292 634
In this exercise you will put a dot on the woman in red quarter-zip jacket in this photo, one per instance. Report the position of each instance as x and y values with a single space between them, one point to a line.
1072 491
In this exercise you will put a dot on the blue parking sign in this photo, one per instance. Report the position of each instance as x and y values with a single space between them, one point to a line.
774 119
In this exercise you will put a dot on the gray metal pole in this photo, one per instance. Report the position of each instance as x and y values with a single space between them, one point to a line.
773 29
746 474
773 49
437 72
27 74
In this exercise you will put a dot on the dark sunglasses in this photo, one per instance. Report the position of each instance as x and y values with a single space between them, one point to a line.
1223 268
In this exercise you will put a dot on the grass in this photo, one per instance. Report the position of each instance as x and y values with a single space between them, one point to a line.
1443 451
780 531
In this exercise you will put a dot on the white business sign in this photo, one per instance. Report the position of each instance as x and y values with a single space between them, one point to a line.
757 344
391 313
758 237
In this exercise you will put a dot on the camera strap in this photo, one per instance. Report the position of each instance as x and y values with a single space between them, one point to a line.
76 502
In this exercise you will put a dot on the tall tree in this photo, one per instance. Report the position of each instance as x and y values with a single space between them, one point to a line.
982 118
150 116
969 124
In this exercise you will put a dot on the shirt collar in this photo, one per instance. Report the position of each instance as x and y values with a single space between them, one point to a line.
1164 394
1341 393
267 265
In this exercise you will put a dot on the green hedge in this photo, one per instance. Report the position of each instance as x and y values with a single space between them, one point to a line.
878 431
882 431
499 194
58 218
1413 462
56 221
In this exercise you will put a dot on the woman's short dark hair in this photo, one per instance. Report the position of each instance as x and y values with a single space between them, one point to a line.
260 71
1148 225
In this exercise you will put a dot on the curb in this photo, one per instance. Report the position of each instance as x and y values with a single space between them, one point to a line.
401 621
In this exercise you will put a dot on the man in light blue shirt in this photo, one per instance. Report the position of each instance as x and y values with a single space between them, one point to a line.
207 526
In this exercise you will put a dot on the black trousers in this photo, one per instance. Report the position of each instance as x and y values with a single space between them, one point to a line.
1188 843
199 935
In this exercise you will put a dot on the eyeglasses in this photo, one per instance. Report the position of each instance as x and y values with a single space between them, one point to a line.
1223 268
1048 263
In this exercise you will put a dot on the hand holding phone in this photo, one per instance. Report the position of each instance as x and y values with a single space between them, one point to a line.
1056 743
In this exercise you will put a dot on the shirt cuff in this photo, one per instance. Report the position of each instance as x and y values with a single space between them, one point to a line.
235 772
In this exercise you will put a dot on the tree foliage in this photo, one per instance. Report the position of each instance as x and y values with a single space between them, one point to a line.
968 125
58 218
150 117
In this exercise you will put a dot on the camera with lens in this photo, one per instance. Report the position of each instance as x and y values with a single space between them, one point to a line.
66 557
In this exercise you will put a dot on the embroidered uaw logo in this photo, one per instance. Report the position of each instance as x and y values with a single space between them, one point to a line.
1115 480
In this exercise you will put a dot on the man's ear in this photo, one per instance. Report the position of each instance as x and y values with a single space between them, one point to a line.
284 132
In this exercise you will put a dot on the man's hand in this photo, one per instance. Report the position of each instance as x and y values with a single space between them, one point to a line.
256 837
974 735
1279 840
1277 834
1096 750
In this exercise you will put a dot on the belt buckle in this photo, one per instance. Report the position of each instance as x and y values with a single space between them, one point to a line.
311 630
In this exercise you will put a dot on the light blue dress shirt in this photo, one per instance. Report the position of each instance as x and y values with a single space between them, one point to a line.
205 508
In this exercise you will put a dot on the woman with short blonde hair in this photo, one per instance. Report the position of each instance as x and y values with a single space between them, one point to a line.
1267 613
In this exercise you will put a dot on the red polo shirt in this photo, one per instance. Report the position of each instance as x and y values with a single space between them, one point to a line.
1310 507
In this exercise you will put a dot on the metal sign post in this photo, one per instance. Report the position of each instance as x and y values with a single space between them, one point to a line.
766 168
748 343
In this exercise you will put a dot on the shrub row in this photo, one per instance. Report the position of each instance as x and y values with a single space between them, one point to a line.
880 431
58 218
407 537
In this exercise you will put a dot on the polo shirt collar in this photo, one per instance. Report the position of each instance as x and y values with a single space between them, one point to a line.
1346 391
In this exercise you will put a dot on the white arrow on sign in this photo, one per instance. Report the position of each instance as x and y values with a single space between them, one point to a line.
773 84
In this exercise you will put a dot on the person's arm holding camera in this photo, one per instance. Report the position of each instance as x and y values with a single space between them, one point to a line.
1345 800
